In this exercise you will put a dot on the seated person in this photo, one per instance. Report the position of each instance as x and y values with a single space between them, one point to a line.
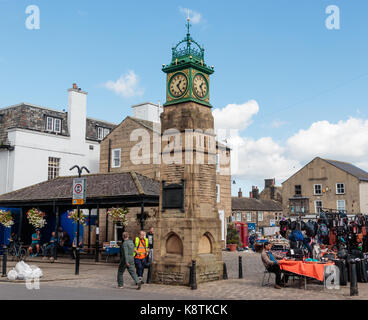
271 264
74 246
36 239
65 242
50 247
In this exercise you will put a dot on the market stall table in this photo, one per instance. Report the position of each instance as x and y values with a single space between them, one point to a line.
306 269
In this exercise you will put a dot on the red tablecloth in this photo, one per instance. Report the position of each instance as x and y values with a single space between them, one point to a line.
310 269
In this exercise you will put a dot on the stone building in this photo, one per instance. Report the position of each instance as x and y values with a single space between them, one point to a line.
38 143
264 213
135 145
326 184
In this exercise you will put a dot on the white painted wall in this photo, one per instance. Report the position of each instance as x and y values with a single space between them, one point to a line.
28 163
148 111
363 195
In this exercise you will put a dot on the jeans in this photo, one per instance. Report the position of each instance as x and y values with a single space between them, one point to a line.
139 265
49 248
121 269
277 271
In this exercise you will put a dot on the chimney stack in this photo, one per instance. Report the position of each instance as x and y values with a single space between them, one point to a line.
240 193
270 182
75 86
255 192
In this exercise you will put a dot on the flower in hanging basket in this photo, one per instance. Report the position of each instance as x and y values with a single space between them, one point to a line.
73 215
6 218
36 218
119 215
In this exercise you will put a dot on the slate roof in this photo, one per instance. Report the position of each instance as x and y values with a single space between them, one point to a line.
252 204
98 186
349 168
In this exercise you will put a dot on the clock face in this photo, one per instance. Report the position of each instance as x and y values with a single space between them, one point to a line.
200 86
178 85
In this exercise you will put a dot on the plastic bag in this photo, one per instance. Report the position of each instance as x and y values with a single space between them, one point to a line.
26 272
12 275
36 272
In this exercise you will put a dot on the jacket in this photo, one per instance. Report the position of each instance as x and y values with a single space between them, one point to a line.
127 252
266 259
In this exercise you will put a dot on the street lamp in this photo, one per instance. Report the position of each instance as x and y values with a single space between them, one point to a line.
80 170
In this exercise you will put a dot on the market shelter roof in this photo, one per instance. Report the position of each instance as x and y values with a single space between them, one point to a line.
109 188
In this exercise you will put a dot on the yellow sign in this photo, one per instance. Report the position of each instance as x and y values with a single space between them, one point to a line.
78 202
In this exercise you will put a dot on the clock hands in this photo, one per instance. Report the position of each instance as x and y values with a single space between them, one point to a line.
178 86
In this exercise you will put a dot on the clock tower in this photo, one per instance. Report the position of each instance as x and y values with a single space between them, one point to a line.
188 227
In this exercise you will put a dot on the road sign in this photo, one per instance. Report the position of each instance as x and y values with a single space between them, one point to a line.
79 191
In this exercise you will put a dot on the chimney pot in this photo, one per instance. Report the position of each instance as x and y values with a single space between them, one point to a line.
240 193
75 86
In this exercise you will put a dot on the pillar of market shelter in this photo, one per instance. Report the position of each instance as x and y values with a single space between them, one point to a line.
188 226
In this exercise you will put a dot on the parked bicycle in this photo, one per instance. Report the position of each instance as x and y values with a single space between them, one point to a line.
16 251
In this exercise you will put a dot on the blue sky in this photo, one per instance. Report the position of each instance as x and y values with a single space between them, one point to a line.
278 53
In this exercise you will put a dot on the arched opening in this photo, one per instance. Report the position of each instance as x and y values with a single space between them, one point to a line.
205 245
174 245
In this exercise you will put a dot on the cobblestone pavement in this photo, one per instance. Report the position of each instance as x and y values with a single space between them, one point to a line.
103 276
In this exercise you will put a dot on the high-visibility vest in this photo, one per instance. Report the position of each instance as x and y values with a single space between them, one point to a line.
141 248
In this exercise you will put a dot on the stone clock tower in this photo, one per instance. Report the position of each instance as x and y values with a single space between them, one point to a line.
188 225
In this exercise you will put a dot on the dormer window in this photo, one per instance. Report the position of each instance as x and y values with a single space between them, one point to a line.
102 133
53 124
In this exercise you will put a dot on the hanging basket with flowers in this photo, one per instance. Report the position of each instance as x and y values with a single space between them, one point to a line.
36 218
119 215
73 215
6 218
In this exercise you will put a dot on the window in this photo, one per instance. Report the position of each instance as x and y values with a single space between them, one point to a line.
218 193
341 206
217 163
116 154
57 125
102 133
318 206
317 189
249 216
260 216
49 124
53 168
298 190
238 216
340 188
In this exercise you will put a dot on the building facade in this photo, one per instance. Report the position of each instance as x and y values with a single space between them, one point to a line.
261 212
39 144
326 185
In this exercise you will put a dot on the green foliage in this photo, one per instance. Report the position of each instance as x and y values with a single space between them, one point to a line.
232 235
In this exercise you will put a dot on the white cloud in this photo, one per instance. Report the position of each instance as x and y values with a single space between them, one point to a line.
235 116
278 123
265 158
195 17
344 140
126 86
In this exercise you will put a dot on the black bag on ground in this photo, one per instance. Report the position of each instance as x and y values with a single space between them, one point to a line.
359 270
341 264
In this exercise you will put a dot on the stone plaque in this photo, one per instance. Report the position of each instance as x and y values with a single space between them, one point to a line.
173 196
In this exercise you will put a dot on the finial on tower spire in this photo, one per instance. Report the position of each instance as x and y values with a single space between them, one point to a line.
188 23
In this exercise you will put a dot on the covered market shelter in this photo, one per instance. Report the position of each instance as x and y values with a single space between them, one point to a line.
103 191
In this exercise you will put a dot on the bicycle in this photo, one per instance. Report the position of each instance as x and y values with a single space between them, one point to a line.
16 251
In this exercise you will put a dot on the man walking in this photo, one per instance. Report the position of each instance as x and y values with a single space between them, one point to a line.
140 254
127 261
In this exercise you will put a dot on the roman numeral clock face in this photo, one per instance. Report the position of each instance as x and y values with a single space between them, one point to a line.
178 85
200 86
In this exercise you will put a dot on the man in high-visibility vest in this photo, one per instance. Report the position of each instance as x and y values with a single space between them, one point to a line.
140 254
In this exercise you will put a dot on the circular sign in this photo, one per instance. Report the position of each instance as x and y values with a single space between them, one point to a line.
78 188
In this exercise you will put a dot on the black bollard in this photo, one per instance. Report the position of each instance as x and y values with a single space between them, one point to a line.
225 277
353 278
194 276
149 274
77 261
240 268
5 254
